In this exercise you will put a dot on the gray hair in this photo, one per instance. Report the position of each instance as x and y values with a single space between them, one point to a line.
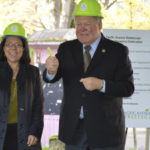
97 18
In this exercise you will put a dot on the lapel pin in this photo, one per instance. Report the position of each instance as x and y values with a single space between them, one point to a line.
103 50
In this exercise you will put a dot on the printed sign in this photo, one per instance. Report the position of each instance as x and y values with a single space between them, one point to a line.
136 107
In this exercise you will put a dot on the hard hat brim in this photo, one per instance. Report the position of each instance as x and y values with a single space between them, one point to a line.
6 36
90 15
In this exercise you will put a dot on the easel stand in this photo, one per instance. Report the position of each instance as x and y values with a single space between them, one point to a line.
147 144
147 138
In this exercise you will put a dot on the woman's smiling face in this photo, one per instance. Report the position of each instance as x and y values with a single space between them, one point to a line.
13 49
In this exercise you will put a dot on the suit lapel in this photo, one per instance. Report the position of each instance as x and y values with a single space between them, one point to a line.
77 54
98 56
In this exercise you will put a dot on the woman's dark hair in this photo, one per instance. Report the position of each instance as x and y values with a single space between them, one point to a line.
25 59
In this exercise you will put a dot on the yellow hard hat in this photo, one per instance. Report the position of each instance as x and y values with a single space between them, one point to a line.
14 29
88 8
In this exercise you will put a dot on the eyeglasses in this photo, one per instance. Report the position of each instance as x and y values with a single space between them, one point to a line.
10 45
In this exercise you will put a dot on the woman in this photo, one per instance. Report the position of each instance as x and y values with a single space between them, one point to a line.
21 94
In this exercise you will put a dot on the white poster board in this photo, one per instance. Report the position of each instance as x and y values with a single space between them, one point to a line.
136 107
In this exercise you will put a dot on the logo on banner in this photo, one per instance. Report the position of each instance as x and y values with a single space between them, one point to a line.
138 114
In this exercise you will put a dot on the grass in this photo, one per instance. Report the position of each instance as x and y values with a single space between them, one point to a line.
45 148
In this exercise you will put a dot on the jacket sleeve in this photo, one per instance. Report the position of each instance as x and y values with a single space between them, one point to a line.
122 85
58 75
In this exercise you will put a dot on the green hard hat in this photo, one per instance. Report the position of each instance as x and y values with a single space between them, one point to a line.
14 29
88 8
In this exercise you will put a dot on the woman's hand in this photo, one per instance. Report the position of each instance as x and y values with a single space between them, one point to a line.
32 140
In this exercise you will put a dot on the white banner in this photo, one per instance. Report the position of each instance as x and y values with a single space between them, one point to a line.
136 107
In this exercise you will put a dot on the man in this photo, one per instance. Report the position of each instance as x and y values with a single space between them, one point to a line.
96 75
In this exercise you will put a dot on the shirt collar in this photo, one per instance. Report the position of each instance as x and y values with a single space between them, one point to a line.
95 43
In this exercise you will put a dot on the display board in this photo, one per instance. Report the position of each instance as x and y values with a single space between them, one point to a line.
136 107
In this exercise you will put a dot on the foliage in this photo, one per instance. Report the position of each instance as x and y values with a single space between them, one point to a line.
130 14
18 11
38 15
45 148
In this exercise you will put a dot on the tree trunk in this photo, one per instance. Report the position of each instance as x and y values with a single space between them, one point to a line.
106 3
67 13
57 12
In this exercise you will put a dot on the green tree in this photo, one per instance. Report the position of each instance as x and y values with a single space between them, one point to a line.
38 15
130 14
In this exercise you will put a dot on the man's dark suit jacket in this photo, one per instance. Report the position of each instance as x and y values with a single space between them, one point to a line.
103 112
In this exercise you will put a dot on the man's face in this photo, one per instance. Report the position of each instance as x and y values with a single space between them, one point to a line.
87 29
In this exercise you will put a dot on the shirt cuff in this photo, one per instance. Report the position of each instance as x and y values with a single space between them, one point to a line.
50 76
103 88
